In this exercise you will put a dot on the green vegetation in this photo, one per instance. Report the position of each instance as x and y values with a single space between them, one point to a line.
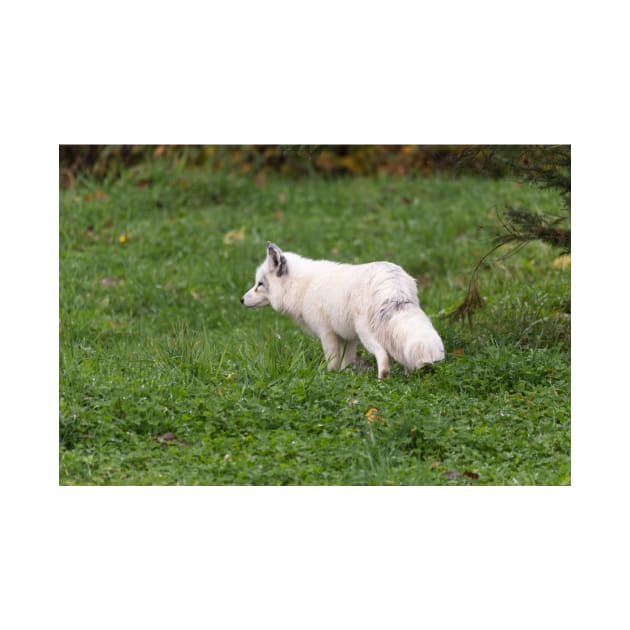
166 379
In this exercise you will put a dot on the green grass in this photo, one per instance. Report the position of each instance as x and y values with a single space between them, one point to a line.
153 339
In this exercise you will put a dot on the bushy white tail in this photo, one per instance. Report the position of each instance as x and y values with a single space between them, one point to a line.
410 339
423 349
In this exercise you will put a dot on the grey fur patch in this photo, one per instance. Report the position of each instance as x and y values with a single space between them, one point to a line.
283 268
389 307
278 259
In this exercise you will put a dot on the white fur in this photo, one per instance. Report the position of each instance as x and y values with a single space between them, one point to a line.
375 303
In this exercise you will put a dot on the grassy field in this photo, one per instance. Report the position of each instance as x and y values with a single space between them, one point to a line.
166 379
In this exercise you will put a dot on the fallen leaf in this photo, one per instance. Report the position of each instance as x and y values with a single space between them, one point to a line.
195 295
110 282
234 235
562 262
97 194
471 475
370 414
458 351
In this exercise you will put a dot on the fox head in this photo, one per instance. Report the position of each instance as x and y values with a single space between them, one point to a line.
274 266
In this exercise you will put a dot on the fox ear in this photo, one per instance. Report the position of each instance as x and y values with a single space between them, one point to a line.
277 258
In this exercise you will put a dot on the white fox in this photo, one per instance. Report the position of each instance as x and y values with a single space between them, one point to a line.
376 303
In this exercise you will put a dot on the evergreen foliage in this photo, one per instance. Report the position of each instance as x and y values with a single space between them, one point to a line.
547 166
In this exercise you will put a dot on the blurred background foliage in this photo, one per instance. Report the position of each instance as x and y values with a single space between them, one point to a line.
547 166
109 161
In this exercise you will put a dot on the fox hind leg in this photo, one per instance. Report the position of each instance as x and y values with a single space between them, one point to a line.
348 353
374 347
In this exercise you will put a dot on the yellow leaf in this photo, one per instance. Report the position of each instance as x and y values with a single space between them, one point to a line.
234 235
562 262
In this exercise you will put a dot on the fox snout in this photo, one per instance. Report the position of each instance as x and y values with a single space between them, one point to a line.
254 298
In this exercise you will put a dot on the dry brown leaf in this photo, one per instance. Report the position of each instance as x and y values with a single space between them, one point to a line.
470 474
371 415
96 195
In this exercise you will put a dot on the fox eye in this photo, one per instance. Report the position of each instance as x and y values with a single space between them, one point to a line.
260 284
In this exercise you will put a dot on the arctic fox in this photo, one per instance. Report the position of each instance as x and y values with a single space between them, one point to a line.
376 303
